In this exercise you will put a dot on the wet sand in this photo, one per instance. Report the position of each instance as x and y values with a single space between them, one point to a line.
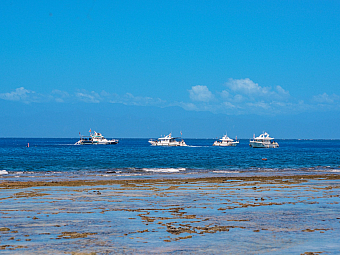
230 215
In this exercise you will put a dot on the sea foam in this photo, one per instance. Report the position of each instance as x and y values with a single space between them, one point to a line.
226 172
163 170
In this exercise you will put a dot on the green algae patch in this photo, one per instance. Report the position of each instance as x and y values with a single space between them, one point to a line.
29 194
71 235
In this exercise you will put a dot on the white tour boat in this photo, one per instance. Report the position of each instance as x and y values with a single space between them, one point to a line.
167 141
263 141
96 138
226 141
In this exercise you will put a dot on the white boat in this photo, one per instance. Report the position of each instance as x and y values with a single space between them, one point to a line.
263 141
96 138
167 141
226 141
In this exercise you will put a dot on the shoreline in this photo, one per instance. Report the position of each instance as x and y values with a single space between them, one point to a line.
74 183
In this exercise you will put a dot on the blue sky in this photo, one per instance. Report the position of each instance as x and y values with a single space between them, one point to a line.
240 67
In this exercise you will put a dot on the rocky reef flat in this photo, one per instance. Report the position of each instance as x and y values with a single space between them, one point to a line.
233 215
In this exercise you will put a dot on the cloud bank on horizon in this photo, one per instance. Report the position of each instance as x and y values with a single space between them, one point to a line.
239 96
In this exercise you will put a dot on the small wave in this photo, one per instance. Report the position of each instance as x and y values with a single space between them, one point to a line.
163 170
335 170
119 175
3 172
124 175
226 172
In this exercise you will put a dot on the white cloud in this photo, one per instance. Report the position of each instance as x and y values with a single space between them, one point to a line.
200 93
91 97
238 98
20 94
326 99
242 96
245 86
259 105
229 105
130 99
24 95
225 94
28 96
282 92
105 94
252 90
186 106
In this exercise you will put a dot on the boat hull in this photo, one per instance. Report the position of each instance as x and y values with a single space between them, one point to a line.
89 142
108 142
84 143
255 144
171 144
225 144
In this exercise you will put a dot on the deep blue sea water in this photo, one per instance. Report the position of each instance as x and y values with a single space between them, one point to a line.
135 157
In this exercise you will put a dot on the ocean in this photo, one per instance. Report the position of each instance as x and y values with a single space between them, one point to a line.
136 158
